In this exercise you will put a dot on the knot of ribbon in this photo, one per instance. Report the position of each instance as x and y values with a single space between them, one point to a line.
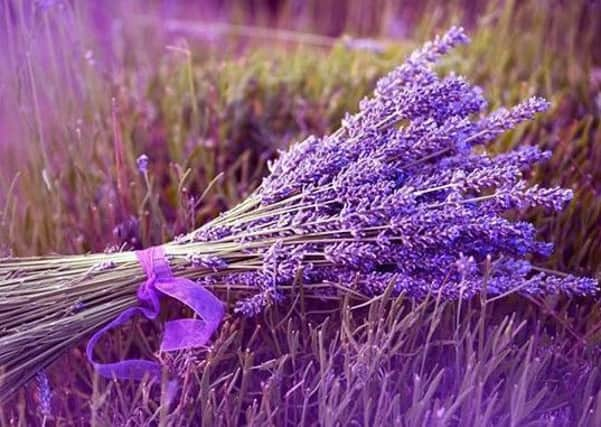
179 334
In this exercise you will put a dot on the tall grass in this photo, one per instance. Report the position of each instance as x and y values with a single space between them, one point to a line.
83 95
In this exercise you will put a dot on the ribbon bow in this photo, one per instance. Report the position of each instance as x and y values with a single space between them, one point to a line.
179 334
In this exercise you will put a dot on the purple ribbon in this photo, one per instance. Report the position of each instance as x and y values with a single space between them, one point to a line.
179 334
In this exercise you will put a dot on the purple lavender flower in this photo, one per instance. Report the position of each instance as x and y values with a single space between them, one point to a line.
254 305
397 197
210 262
142 163
416 70
44 393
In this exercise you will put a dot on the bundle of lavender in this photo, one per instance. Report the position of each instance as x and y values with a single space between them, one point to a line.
398 197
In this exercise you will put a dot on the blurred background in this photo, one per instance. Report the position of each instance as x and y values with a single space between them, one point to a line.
213 88
219 85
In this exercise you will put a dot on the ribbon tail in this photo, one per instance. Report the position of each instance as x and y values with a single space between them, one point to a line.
179 334
183 334
131 369
135 369
186 333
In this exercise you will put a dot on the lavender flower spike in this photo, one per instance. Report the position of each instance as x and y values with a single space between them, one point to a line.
375 202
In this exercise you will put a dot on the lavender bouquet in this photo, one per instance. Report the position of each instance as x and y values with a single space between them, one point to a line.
402 197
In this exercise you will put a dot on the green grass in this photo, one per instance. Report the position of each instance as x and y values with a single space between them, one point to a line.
72 130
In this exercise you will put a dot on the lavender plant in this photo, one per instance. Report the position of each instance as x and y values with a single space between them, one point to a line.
403 196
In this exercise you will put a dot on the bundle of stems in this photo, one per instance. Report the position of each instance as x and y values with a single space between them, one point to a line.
399 198
49 304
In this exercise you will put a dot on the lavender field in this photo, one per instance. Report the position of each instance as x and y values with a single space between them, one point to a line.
355 213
